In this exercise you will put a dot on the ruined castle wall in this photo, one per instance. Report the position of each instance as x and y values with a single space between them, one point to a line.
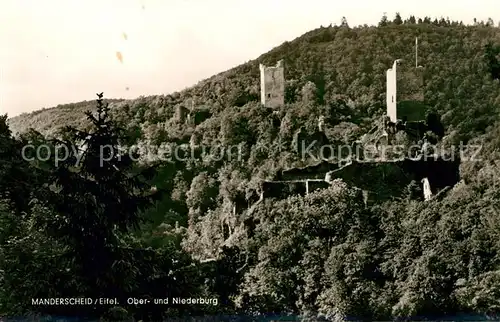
410 81
272 85
405 93
410 88
391 95
282 190
317 185
384 180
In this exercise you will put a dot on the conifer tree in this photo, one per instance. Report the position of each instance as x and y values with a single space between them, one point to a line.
96 196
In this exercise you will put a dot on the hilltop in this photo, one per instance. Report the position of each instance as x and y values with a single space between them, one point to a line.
326 253
336 62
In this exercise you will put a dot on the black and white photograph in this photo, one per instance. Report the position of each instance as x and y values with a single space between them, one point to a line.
216 160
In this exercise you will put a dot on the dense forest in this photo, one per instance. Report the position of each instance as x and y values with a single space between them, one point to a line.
139 225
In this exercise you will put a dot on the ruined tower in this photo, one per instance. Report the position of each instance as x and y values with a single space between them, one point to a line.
180 113
405 91
391 92
272 85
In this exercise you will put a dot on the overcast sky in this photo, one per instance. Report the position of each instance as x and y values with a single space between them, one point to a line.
61 51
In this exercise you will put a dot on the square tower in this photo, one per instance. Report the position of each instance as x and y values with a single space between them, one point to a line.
405 92
391 97
272 85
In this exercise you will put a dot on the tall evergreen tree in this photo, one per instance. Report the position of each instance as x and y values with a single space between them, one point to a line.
96 197
15 177
383 21
397 19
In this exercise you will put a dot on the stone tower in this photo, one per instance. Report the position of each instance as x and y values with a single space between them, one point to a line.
180 113
272 85
405 92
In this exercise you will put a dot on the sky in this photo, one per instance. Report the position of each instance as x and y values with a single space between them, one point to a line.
61 51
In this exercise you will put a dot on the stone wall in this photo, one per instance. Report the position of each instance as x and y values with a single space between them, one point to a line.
410 82
410 97
391 94
405 92
272 85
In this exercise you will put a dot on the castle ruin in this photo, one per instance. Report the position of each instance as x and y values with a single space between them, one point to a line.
272 85
405 92
406 112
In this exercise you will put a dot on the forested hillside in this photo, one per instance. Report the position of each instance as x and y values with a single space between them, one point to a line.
145 229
